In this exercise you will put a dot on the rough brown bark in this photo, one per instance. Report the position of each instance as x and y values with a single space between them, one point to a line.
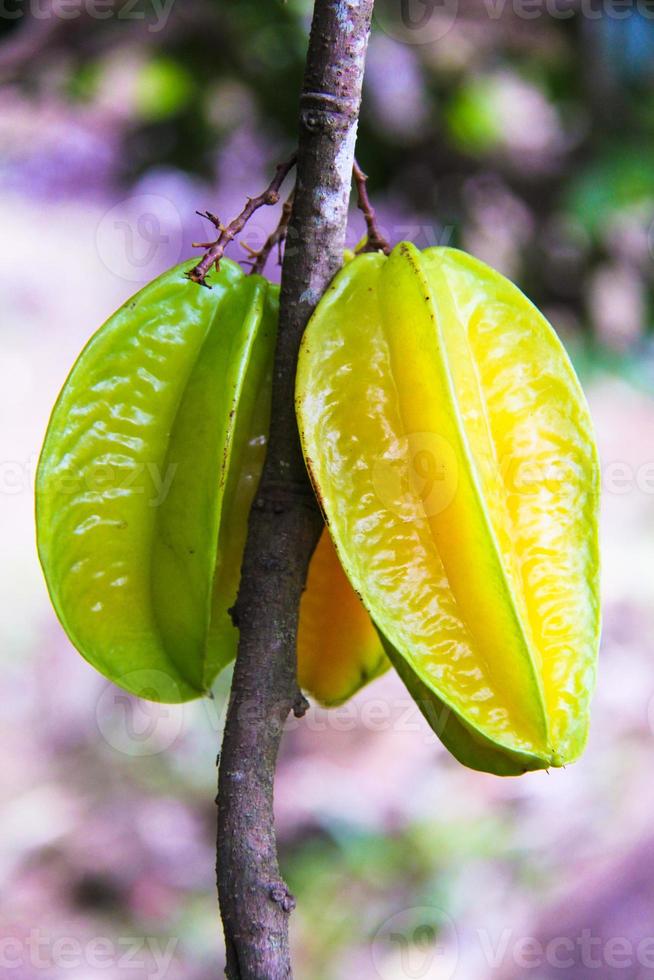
284 522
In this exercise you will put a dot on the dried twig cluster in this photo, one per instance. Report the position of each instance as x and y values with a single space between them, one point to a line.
375 240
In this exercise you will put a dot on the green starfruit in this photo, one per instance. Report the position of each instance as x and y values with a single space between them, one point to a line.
150 464
151 459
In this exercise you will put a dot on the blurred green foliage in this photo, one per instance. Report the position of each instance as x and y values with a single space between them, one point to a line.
619 178
500 133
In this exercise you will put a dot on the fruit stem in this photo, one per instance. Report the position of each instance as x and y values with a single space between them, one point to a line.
276 237
375 241
227 233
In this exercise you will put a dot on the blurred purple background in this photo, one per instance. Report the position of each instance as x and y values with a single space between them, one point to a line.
528 140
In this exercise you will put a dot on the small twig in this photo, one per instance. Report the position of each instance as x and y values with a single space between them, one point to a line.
227 233
375 241
276 237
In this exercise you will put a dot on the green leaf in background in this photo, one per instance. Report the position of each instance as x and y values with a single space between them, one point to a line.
164 87
621 178
471 117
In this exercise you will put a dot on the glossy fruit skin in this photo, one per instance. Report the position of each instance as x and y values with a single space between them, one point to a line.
428 388
338 648
150 462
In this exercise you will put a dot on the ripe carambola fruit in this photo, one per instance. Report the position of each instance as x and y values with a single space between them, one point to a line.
150 463
451 447
338 648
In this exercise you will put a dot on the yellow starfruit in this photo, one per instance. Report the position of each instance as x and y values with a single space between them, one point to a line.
338 648
450 445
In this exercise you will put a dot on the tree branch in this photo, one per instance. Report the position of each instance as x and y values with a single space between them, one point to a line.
285 522
227 233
